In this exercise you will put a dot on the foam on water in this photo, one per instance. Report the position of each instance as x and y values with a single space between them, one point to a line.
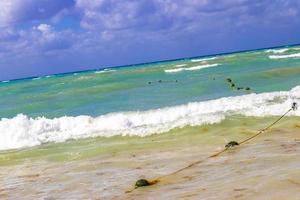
22 131
104 71
276 51
203 59
5 81
191 68
180 65
295 55
174 70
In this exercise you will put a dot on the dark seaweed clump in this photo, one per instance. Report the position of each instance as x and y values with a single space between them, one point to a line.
142 183
234 86
231 144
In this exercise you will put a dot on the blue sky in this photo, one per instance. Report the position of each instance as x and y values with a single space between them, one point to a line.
39 37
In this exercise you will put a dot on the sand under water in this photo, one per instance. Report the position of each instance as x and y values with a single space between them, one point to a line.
263 168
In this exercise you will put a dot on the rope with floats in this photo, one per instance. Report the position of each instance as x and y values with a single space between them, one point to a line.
144 182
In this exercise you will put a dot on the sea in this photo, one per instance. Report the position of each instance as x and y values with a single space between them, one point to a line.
81 117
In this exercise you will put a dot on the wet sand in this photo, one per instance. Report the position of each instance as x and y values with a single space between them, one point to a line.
266 167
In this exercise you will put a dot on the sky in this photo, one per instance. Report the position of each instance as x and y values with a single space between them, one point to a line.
39 37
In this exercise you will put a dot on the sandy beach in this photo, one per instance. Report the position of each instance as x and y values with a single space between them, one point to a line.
264 168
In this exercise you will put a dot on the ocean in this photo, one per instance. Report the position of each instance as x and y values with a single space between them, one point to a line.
90 116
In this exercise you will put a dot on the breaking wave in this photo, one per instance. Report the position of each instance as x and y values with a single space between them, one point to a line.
7 81
191 68
203 59
104 71
180 65
295 55
23 131
277 51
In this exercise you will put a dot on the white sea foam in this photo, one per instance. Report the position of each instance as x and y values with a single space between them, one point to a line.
295 55
201 67
104 71
174 70
37 78
191 68
5 81
203 59
180 65
276 51
22 131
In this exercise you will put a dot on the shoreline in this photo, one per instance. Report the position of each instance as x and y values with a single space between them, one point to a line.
84 169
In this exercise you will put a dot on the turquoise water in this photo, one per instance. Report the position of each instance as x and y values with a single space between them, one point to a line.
78 129
127 89
146 99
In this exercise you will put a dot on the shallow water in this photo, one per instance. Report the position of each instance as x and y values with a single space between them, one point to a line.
91 135
138 99
83 169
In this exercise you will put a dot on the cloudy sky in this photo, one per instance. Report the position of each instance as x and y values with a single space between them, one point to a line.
39 37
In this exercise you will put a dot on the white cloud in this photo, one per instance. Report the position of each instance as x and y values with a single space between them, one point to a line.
118 24
44 28
8 10
112 14
17 11
45 38
88 4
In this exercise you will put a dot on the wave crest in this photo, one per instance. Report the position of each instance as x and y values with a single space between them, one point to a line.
203 59
23 131
277 51
191 68
295 55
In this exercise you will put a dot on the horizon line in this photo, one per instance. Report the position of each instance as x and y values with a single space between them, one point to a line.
147 63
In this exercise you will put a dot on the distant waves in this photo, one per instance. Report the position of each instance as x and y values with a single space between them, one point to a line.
191 68
295 55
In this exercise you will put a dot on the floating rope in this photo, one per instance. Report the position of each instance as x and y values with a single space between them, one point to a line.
144 182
